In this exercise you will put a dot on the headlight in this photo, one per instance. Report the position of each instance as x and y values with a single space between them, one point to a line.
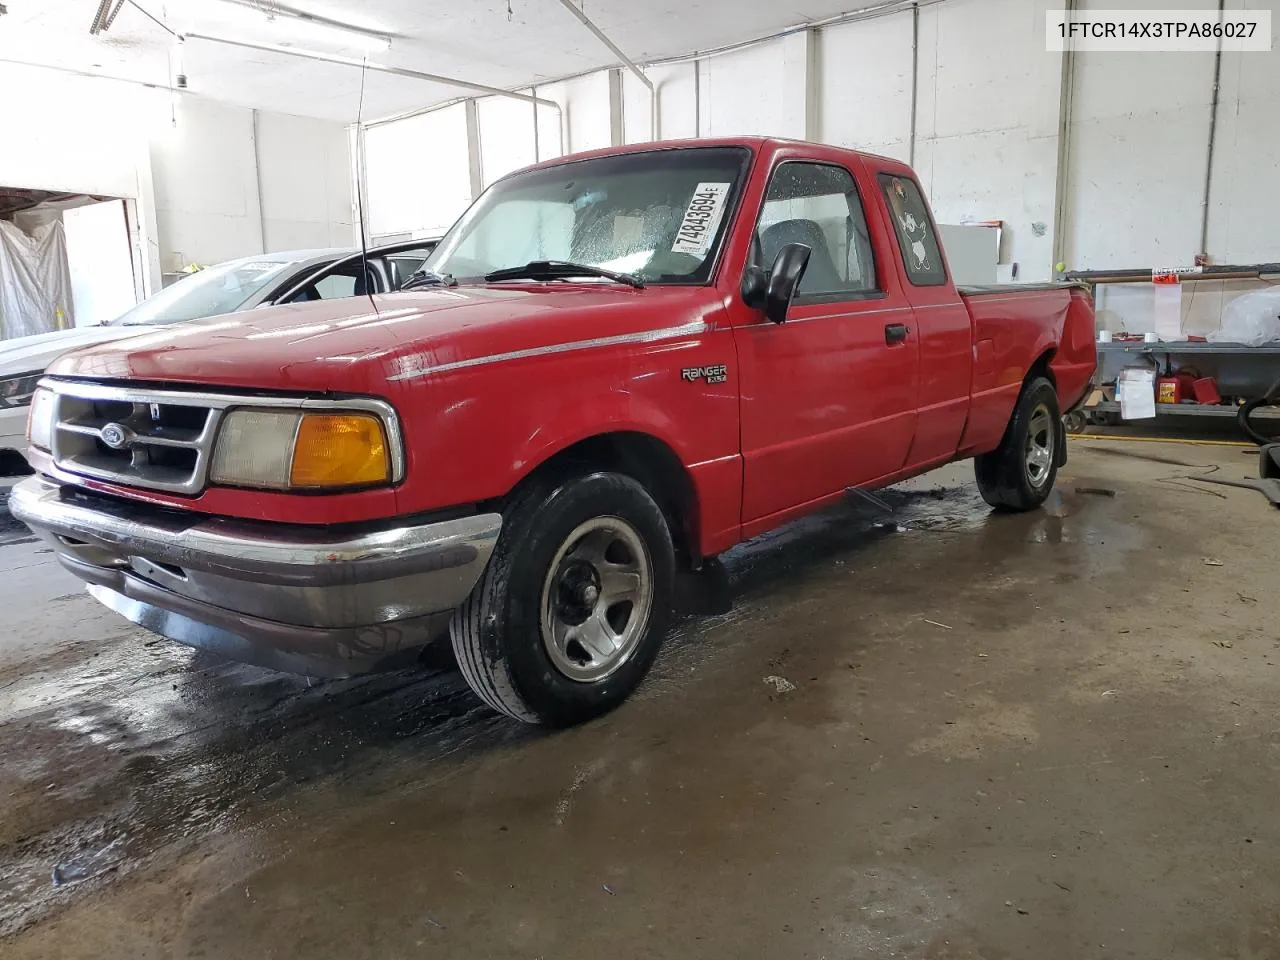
17 391
40 419
284 450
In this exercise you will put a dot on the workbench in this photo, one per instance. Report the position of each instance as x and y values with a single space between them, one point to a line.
1240 371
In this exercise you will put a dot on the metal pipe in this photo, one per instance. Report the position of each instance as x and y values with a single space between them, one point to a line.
915 79
153 18
257 183
697 98
884 9
868 13
1251 271
654 133
537 145
384 68
378 67
1066 106
812 86
75 72
475 155
272 8
1213 134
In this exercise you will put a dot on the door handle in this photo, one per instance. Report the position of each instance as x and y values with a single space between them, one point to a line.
896 332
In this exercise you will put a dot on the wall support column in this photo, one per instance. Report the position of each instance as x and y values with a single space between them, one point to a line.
475 166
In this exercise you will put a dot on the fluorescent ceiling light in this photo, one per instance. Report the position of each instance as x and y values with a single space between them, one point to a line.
284 27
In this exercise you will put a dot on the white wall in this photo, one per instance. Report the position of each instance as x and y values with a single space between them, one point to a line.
305 176
219 194
1245 208
86 136
677 103
743 93
77 135
195 182
1139 135
587 118
865 85
206 186
987 122
987 142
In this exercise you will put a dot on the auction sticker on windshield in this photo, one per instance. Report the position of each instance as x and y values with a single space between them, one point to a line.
701 219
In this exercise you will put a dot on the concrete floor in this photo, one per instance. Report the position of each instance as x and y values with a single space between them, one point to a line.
1050 735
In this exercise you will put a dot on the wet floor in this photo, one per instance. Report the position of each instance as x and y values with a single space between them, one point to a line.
922 730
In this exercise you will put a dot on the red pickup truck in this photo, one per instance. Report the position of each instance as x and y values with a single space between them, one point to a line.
615 366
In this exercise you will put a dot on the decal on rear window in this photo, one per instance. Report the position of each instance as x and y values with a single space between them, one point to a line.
919 247
701 219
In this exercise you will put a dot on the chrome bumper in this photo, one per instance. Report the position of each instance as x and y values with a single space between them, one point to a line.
283 597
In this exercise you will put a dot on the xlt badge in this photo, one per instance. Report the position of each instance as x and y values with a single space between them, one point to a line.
718 373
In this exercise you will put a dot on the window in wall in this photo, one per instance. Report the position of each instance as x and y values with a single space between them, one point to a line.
818 205
506 136
417 173
919 247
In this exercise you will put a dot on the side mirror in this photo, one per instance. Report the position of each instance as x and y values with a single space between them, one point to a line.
784 278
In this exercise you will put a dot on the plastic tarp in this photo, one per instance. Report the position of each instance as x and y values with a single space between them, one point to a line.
35 281
1252 319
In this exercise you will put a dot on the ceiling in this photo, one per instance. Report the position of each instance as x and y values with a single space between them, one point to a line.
502 43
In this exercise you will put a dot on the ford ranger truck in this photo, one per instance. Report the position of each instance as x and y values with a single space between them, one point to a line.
614 367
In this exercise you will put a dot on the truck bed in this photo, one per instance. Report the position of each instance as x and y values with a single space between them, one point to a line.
986 289
1015 326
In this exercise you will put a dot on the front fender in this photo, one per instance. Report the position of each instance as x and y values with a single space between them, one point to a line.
476 433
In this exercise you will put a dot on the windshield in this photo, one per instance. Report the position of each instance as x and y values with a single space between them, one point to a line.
223 288
660 215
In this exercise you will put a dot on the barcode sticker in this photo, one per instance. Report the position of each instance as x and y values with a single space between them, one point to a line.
701 219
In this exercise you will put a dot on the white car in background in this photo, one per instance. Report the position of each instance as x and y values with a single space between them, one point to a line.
228 287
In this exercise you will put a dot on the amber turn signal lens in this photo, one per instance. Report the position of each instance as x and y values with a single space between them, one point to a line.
339 450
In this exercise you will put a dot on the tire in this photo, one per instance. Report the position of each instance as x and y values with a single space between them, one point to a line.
532 640
1019 474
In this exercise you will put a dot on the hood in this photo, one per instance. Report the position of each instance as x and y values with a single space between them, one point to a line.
354 346
29 354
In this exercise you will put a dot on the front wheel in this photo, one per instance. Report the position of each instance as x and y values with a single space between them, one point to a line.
571 610
1019 474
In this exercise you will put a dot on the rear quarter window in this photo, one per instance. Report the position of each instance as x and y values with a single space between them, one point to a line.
917 243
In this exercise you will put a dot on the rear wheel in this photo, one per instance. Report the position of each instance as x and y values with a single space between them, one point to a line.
569 614
1019 474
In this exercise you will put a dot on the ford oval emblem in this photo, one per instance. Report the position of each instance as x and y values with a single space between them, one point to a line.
114 436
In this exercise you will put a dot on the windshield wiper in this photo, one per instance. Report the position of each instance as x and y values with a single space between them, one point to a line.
561 270
428 278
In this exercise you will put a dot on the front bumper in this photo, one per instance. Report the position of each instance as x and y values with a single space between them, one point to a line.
283 597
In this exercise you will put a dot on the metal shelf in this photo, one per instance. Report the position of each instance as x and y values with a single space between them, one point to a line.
1187 347
1192 410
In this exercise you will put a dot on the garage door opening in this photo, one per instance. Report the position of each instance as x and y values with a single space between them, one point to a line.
66 260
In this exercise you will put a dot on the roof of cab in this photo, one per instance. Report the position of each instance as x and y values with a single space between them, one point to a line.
756 144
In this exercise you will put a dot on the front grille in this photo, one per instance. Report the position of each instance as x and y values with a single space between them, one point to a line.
163 439
159 441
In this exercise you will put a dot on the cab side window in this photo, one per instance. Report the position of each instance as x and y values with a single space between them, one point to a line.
349 280
916 241
336 286
817 204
